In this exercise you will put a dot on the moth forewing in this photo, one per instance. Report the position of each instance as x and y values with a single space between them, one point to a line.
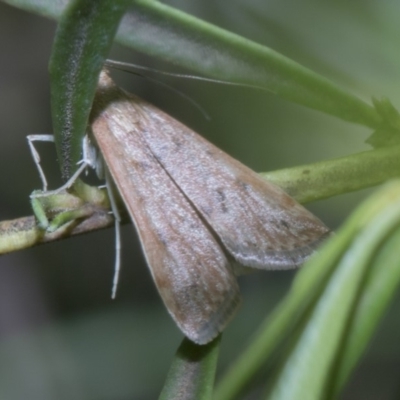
189 267
191 202
258 223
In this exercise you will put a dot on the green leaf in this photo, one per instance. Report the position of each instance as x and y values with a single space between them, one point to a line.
46 8
308 370
171 35
217 53
320 180
83 39
192 373
380 285
314 317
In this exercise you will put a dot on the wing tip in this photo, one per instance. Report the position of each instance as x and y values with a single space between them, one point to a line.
216 323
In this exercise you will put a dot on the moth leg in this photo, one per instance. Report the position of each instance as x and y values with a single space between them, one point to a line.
90 159
36 156
44 202
117 219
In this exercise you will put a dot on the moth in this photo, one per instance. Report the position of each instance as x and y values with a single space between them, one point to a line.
197 210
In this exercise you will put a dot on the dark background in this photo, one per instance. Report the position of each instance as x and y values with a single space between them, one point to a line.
61 336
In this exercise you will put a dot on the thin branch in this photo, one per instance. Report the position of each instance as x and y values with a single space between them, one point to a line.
305 183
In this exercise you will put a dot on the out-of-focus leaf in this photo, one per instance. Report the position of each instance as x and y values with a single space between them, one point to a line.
380 285
47 8
315 317
310 367
388 134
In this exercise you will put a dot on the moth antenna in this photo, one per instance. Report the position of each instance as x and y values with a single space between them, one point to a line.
121 66
129 67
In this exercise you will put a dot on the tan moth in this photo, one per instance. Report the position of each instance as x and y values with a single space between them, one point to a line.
196 209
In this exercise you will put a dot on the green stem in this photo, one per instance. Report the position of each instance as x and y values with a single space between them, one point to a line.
305 183
329 178
192 373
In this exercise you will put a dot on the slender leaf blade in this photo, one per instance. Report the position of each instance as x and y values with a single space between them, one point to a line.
83 39
311 365
307 288
379 288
